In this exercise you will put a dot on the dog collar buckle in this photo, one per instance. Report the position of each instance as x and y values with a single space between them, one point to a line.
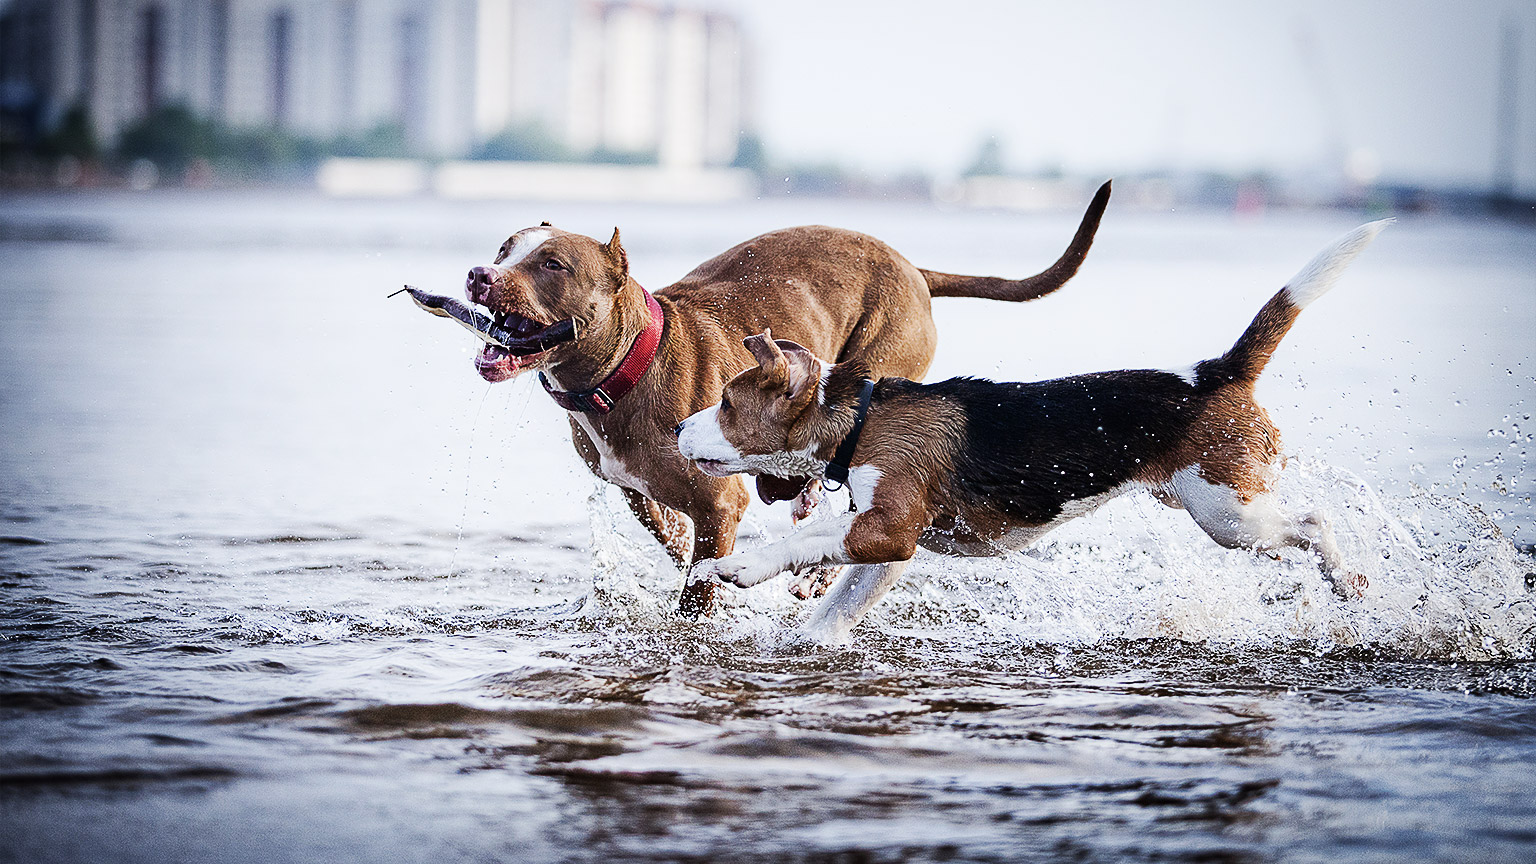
598 402
594 401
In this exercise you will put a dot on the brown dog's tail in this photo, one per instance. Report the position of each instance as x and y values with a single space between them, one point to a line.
1250 354
1038 285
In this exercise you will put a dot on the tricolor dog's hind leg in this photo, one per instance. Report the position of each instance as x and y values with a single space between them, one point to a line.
1256 521
854 593
1233 446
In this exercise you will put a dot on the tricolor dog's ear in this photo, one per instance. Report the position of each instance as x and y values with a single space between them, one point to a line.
616 254
764 349
804 368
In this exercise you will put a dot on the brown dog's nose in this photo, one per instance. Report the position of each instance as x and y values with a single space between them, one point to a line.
478 284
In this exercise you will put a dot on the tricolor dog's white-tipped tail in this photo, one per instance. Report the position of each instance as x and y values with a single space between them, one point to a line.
1321 272
1248 357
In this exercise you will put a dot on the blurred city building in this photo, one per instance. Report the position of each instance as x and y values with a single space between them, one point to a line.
520 79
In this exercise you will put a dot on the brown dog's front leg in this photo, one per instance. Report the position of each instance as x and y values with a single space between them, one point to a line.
670 528
714 537
698 598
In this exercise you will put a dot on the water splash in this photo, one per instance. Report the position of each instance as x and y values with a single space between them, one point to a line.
627 572
1445 583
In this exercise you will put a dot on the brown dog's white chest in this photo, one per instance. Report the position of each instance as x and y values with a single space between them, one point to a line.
610 466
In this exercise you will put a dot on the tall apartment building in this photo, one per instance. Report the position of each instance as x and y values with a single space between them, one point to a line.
594 74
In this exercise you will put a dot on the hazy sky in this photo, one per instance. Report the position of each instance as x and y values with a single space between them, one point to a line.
1408 87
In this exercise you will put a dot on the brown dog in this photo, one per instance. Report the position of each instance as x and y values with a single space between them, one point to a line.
972 467
644 362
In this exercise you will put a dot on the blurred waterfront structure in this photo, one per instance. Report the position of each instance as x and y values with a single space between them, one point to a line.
517 99
602 79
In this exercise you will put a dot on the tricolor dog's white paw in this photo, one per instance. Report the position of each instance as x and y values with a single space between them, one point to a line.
703 571
741 570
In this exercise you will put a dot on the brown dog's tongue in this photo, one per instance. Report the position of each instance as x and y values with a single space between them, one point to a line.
495 365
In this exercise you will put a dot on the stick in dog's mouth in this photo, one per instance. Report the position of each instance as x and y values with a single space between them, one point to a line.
522 338
714 468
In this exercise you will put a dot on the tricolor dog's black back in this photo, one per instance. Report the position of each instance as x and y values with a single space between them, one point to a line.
1029 447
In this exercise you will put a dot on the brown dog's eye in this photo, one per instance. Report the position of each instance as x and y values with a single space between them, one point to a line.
552 264
725 404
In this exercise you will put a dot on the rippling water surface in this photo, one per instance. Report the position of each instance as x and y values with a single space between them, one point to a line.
281 579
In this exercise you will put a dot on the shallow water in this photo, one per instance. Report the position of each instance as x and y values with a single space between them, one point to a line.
281 579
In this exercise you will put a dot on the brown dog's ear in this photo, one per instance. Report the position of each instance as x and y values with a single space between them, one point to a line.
764 350
804 369
615 252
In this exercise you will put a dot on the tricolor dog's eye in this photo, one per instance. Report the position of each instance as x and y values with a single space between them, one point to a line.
552 264
725 403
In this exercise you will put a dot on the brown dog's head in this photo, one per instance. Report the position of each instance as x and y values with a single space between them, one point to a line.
766 422
540 276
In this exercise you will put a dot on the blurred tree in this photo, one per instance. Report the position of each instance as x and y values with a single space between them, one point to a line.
988 160
383 140
260 150
75 135
622 157
823 180
751 154
171 137
523 142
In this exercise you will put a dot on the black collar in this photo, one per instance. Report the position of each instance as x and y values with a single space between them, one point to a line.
837 469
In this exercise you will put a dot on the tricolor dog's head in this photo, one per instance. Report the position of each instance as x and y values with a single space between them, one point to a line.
768 417
540 276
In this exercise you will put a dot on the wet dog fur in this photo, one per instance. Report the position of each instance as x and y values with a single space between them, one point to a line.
974 467
838 293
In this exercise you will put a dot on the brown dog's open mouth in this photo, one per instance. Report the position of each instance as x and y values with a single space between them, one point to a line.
495 363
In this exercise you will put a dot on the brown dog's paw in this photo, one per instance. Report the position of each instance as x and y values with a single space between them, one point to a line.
813 582
1349 586
698 599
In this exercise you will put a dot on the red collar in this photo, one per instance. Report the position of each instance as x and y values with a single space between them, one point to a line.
600 399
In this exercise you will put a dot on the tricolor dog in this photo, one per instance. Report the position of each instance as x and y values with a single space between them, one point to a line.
972 467
642 362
